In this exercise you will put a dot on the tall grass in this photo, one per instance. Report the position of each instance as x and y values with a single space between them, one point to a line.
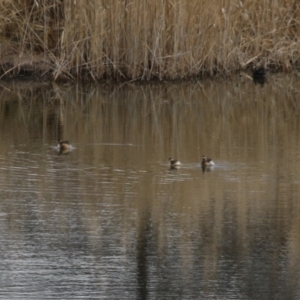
140 39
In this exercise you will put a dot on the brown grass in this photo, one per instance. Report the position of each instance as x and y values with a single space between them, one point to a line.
139 39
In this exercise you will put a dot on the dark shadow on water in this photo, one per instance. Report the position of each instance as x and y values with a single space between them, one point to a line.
174 168
207 168
143 243
260 80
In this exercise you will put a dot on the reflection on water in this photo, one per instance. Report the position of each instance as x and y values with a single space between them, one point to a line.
112 220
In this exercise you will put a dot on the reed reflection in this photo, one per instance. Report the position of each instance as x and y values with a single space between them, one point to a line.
197 231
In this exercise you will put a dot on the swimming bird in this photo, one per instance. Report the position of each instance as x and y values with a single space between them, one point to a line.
207 162
174 162
258 72
259 75
63 146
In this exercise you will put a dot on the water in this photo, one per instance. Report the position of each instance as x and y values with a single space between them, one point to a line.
111 220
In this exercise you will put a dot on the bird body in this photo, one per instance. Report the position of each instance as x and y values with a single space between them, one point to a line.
174 162
206 162
63 146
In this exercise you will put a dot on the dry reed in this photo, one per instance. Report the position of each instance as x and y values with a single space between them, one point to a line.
139 39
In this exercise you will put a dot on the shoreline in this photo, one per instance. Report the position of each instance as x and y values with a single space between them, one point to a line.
40 69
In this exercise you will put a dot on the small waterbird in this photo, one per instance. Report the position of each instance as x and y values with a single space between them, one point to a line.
63 147
259 75
174 162
207 162
258 72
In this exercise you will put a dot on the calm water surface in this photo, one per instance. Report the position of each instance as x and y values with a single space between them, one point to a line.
110 220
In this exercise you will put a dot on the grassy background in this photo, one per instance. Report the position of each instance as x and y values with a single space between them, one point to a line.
140 39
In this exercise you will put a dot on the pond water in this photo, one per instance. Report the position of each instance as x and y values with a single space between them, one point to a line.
111 220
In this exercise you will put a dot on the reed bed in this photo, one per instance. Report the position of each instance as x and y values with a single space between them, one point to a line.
142 40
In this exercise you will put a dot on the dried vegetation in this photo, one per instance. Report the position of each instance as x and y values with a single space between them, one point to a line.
140 39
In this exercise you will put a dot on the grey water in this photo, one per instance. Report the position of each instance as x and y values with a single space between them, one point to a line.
111 220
